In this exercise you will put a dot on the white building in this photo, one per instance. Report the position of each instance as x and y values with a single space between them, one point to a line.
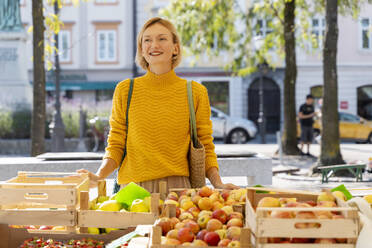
97 45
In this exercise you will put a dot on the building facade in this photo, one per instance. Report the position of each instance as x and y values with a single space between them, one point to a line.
97 52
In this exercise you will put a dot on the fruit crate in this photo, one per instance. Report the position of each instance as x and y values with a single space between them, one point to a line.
14 237
42 198
170 211
266 228
113 219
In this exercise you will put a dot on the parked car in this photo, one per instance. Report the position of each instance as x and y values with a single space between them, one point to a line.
232 130
352 127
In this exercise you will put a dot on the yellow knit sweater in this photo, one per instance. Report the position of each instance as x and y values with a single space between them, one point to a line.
159 127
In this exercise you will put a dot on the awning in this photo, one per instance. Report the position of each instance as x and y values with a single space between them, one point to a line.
50 86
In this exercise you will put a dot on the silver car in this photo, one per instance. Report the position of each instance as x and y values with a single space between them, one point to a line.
232 130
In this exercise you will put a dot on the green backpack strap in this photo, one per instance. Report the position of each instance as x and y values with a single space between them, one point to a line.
193 133
130 91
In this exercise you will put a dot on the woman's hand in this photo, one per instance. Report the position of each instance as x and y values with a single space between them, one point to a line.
93 178
227 186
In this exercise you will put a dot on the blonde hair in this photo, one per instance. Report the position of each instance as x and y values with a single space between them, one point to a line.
176 60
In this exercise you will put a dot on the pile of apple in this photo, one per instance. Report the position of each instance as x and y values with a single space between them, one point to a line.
50 243
325 199
204 217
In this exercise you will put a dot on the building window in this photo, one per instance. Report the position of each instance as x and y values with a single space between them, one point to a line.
365 24
318 31
106 45
262 27
64 43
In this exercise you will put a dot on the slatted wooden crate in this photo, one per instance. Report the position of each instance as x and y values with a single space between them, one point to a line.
264 227
42 198
170 211
108 219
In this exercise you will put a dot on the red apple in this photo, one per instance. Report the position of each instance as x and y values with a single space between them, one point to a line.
212 238
165 224
220 215
185 235
201 234
225 194
178 212
179 225
194 211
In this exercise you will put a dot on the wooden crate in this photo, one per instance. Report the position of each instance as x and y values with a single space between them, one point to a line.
170 211
42 198
14 237
264 227
103 219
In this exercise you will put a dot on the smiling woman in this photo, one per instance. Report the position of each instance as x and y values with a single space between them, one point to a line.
149 136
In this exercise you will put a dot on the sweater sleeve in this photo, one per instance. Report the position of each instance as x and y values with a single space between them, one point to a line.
118 128
204 128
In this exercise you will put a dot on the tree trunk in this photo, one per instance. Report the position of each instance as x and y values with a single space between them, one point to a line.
289 138
330 146
38 113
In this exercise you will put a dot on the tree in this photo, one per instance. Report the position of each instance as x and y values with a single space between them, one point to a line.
38 113
289 138
330 148
227 26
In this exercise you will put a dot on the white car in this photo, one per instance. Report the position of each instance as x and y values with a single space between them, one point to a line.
232 130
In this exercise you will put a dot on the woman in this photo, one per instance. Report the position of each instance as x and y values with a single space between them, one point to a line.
158 130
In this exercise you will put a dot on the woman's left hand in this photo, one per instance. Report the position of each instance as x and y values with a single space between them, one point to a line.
227 186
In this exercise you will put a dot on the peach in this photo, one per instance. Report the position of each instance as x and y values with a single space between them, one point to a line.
194 227
205 203
217 205
305 215
222 233
205 212
228 209
235 222
233 233
216 197
235 215
194 211
268 202
179 225
185 216
195 199
186 204
169 241
185 235
213 225
205 191
224 242
285 200
234 243
183 197
172 234
198 242
282 214
174 221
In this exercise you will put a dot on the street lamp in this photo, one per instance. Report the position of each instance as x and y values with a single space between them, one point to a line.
262 68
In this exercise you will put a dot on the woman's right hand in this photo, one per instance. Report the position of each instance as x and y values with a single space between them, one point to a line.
93 178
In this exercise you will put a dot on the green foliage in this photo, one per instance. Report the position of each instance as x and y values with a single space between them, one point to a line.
217 26
5 124
71 122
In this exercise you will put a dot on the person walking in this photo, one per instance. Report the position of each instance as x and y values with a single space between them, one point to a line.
158 132
306 114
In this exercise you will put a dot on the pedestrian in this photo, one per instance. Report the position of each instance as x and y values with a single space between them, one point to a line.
158 128
306 114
